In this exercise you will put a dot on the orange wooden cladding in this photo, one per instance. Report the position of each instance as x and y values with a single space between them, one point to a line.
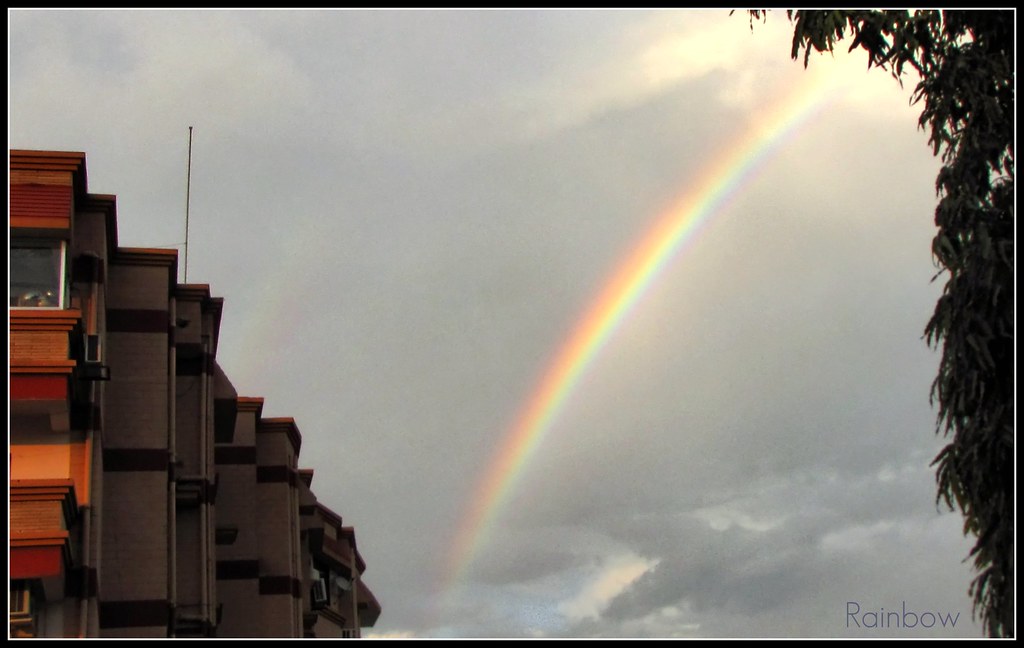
30 177
38 205
35 319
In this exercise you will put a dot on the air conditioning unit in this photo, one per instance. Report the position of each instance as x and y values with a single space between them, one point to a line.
320 594
92 348
92 368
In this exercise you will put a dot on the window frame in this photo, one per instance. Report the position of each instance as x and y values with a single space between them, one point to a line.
63 279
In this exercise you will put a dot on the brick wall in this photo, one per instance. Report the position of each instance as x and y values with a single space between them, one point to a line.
41 345
36 516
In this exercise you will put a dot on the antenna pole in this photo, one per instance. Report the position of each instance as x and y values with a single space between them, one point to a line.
188 188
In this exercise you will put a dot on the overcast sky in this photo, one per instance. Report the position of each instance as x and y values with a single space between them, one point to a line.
407 214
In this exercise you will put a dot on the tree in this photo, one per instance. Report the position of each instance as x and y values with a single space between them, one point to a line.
965 67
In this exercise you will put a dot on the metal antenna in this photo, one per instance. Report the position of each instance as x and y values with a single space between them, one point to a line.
188 188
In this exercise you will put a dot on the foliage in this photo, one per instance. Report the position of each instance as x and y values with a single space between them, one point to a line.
965 71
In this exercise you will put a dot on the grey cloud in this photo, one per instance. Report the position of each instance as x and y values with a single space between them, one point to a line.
407 222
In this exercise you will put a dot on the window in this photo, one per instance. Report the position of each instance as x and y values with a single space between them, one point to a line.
21 599
22 617
38 273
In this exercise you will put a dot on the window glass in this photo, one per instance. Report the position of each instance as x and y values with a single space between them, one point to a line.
37 274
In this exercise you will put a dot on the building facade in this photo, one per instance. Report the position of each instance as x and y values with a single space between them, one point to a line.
147 498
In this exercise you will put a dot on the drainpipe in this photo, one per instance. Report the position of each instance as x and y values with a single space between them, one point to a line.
91 327
355 587
83 603
204 507
296 554
172 486
83 609
86 511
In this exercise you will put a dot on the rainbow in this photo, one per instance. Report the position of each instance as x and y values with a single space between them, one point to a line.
708 194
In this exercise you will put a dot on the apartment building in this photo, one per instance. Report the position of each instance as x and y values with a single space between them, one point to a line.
147 498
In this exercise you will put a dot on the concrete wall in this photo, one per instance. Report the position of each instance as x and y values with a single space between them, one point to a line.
135 585
238 567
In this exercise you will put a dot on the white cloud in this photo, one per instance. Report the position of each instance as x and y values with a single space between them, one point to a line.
906 472
658 51
668 621
722 518
609 582
860 537
713 43
391 634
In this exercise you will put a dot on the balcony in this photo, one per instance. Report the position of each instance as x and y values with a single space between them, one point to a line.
40 362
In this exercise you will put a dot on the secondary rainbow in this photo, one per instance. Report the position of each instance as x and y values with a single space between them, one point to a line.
706 196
